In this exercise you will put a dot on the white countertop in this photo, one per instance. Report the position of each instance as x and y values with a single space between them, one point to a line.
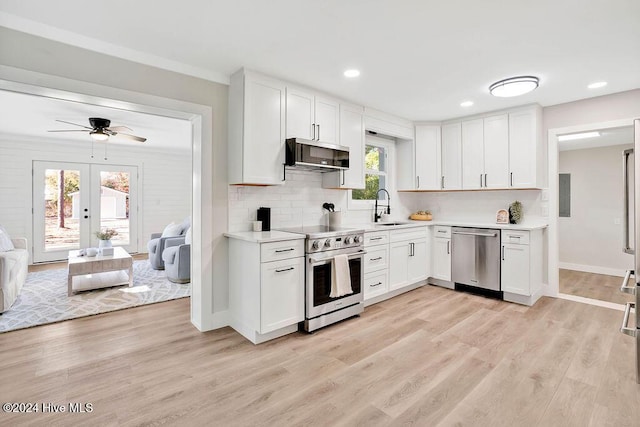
526 225
264 236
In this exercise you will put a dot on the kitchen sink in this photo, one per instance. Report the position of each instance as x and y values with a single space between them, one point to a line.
387 224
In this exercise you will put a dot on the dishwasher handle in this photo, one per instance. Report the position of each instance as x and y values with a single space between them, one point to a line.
467 233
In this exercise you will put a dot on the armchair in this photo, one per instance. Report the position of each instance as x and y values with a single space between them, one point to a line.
157 245
177 261
14 266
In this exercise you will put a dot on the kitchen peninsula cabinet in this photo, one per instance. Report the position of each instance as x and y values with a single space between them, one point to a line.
266 283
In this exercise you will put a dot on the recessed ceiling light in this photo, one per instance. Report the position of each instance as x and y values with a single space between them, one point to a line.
514 86
582 135
352 73
597 85
466 103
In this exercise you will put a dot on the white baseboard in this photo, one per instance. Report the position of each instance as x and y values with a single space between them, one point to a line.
592 269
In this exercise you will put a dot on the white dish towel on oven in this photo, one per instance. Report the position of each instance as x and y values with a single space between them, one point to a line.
340 277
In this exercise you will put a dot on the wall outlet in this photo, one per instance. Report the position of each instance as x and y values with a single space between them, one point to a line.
616 221
544 196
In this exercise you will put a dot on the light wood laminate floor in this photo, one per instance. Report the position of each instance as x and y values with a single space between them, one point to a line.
429 357
594 286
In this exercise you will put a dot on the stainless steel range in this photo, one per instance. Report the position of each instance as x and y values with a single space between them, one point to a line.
323 244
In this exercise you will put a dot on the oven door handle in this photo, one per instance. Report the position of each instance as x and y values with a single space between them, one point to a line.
328 259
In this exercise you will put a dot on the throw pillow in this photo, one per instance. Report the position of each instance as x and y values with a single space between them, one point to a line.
187 237
5 241
172 230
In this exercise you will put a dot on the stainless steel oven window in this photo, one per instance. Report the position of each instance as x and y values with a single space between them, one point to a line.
321 277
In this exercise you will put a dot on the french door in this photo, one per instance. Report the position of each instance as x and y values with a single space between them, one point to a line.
71 201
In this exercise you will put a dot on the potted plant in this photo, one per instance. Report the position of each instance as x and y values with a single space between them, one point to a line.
104 237
515 212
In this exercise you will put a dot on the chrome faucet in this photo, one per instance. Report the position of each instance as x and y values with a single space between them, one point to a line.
376 215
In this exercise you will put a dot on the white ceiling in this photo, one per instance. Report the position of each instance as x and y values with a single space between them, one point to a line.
608 137
32 116
419 58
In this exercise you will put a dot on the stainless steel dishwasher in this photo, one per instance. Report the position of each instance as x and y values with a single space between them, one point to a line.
475 257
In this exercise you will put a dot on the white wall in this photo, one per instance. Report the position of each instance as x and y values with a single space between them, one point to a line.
299 202
164 184
591 239
477 205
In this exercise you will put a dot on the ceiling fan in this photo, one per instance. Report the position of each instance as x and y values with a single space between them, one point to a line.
100 130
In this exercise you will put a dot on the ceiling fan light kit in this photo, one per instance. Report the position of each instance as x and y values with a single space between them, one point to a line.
514 86
100 130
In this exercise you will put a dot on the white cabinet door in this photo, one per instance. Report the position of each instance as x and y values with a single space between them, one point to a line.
441 265
351 135
427 157
327 119
515 269
496 151
300 114
281 294
451 178
472 154
418 261
375 284
522 149
398 265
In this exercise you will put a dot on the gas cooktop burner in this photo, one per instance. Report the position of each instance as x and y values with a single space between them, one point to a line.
322 238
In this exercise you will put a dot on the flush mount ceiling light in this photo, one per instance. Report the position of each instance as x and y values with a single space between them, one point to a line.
514 86
466 103
597 85
352 73
575 136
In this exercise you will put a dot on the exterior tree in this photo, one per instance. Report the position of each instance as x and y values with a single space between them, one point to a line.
61 199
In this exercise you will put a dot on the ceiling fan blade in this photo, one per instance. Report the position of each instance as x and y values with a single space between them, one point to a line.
132 137
119 128
69 130
75 124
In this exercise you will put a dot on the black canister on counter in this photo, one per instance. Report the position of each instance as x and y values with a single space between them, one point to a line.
264 215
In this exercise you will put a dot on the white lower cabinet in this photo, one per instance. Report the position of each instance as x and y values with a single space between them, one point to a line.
521 265
266 296
441 253
376 264
408 257
281 294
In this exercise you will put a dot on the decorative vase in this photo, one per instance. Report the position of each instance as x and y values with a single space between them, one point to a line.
104 244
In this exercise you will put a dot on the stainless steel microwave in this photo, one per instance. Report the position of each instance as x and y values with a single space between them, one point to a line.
315 155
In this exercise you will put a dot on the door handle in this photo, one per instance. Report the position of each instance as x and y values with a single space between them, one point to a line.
284 250
442 182
625 224
318 132
448 247
511 179
343 179
625 288
625 320
377 284
375 259
418 179
466 233
86 216
503 253
285 269
313 129
485 180
480 180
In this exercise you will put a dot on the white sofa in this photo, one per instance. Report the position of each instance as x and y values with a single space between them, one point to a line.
13 273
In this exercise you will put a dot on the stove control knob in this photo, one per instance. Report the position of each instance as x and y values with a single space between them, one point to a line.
357 239
348 240
327 243
315 245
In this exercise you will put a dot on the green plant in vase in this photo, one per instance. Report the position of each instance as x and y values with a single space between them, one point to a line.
104 237
515 212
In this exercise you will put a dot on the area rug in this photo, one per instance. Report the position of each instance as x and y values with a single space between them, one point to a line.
44 299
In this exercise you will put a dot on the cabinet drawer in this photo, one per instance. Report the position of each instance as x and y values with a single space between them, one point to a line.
408 234
376 258
376 283
275 251
441 231
515 237
376 238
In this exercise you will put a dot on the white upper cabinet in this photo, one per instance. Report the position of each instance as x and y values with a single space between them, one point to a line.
496 151
427 157
352 136
472 154
526 163
451 178
485 153
256 129
312 117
